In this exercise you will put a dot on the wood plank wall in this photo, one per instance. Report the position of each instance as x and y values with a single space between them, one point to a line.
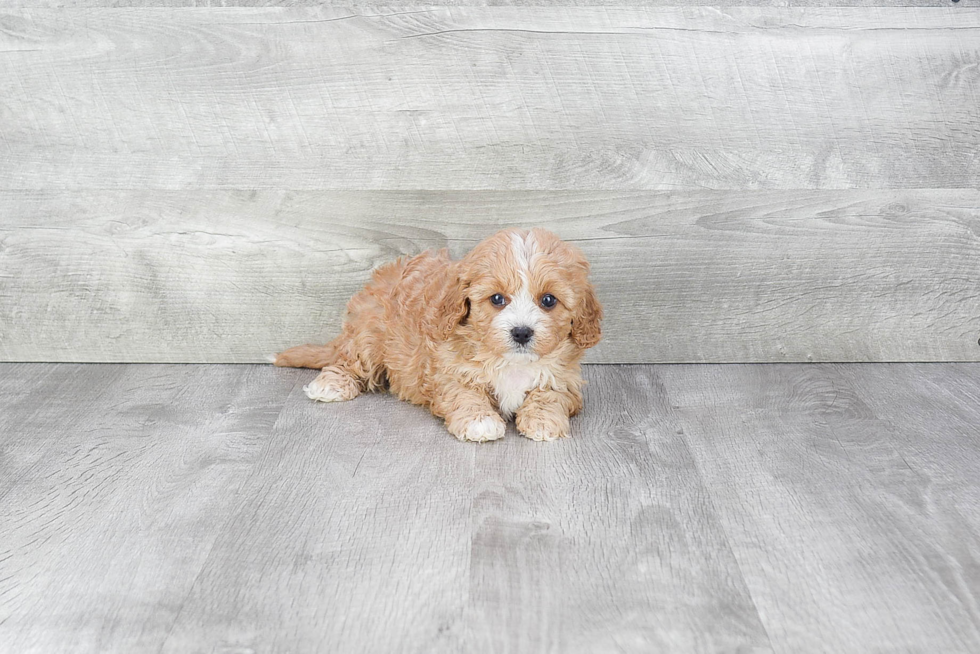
752 183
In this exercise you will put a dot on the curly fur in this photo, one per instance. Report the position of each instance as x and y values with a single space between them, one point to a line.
426 329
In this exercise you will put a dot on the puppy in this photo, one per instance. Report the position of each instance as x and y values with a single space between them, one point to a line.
496 335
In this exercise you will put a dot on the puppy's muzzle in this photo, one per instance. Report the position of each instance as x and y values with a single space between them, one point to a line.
522 335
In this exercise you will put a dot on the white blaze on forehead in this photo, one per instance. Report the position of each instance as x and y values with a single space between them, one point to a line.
524 248
523 309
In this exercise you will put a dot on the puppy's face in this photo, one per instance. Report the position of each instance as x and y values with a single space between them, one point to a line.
528 294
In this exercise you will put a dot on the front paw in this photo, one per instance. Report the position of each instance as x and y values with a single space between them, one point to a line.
478 429
542 425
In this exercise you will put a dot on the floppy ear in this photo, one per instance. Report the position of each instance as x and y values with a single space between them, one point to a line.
586 331
453 305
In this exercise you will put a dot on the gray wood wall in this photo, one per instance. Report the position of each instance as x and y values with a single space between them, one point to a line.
752 183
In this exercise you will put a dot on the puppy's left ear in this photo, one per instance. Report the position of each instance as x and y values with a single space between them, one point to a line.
586 331
454 306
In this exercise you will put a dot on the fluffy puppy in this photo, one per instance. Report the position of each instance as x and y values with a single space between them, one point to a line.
498 334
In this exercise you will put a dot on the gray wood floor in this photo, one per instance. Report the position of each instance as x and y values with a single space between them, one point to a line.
697 508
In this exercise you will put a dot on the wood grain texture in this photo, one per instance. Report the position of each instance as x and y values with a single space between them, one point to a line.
361 5
606 543
231 276
353 536
696 508
114 483
406 540
490 98
850 497
39 399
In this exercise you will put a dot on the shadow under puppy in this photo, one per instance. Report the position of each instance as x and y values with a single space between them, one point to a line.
498 334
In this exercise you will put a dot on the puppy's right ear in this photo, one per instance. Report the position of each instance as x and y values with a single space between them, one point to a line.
454 306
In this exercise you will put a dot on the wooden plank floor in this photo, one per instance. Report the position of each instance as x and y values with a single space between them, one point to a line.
697 508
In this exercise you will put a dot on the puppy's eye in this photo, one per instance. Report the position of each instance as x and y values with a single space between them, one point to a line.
548 301
498 300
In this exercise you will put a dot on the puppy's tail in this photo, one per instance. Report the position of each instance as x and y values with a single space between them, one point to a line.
308 356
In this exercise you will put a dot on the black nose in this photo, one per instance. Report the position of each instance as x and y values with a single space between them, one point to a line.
521 335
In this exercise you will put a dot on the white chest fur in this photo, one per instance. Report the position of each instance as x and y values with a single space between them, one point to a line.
511 384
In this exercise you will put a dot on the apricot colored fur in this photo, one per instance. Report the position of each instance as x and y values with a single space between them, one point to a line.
425 329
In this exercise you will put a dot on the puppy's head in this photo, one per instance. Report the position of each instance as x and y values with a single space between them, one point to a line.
520 295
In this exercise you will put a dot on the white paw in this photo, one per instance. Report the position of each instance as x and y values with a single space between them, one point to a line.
323 392
480 430
542 429
544 435
330 386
